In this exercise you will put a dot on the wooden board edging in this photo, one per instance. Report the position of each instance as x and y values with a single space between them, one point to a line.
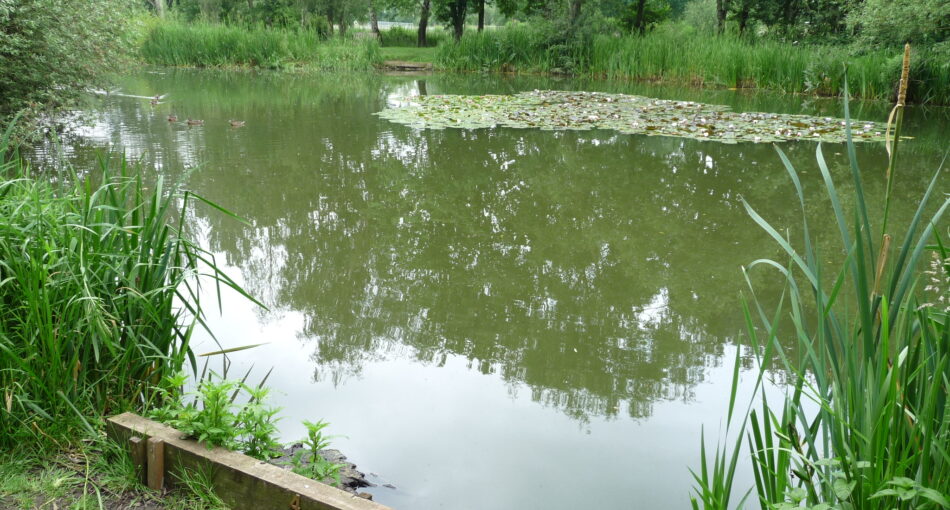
242 482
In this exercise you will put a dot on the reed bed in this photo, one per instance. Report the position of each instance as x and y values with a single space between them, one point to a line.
397 36
98 295
520 48
216 45
675 55
865 421
669 55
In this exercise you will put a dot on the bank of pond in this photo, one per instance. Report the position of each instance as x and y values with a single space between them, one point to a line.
670 54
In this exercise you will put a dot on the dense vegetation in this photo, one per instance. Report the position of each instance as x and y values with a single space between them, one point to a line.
864 422
97 285
51 50
216 45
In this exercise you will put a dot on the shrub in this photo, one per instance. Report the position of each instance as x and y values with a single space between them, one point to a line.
50 50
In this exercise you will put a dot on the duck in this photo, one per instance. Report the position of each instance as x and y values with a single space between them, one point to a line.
154 102
172 118
194 122
236 123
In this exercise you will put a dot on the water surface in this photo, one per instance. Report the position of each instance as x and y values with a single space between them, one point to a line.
495 318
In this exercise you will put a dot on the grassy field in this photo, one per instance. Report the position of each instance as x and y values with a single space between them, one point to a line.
409 54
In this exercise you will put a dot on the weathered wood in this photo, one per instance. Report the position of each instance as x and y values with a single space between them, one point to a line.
137 452
155 463
241 481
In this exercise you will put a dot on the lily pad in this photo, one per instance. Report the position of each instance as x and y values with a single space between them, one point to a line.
562 110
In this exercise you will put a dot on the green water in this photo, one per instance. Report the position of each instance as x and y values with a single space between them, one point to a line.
494 318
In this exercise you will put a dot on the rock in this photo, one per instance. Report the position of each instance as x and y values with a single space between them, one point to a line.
350 477
364 495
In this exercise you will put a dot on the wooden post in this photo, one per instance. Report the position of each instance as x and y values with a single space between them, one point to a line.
137 452
156 463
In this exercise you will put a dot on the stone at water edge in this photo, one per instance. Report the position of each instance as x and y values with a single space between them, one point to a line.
350 477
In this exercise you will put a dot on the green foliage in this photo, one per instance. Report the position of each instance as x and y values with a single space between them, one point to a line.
213 417
216 45
517 47
50 50
676 54
894 22
316 466
98 294
862 344
399 36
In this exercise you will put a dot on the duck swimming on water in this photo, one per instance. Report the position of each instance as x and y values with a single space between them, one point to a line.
194 122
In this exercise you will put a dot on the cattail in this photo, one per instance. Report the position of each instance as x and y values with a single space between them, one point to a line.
905 75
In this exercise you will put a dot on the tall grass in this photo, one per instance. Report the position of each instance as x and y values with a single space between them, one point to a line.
677 55
865 422
98 295
521 48
398 36
216 45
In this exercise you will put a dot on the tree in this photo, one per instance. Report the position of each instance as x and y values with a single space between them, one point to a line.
51 50
422 41
453 12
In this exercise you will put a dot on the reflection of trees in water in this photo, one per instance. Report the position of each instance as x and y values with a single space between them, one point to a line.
599 270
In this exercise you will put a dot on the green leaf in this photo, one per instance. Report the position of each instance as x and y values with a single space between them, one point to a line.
935 496
843 488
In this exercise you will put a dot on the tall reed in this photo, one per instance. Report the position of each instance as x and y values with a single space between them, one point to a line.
98 294
215 45
865 423
675 54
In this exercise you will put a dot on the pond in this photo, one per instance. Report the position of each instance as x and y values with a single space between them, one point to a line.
489 318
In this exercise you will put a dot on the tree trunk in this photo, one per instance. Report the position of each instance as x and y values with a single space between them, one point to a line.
250 4
343 25
481 15
641 23
722 7
422 41
575 9
373 22
458 11
159 8
743 17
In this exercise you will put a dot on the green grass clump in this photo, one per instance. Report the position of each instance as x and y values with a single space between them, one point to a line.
679 56
521 47
404 37
865 421
216 45
675 54
98 296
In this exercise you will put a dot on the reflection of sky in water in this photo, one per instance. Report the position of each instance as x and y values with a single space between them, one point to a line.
493 318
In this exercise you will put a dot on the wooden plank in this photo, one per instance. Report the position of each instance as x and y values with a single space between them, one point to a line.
137 452
155 462
241 481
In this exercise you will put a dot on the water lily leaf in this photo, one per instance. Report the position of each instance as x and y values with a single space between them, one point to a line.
563 110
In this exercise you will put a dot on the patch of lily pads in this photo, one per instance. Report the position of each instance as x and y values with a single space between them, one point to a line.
562 110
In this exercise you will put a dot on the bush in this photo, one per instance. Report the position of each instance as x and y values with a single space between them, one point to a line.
97 296
50 50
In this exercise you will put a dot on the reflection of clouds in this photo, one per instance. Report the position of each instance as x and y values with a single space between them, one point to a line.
566 262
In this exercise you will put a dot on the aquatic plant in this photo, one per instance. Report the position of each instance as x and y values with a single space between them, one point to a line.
215 45
98 294
213 416
865 422
676 54
316 466
559 110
